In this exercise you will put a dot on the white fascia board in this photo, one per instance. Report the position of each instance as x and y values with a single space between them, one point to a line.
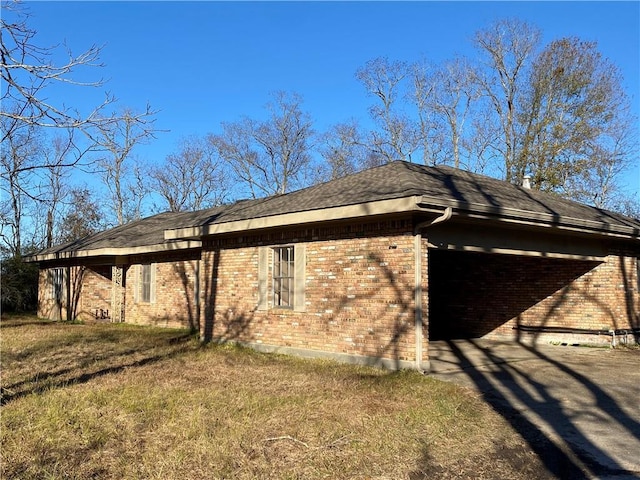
396 205
115 252
525 217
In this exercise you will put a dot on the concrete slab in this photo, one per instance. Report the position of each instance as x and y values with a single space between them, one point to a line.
578 406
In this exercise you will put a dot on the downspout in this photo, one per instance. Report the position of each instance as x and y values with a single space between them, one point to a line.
417 248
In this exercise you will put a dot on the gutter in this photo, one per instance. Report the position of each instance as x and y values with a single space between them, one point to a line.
424 367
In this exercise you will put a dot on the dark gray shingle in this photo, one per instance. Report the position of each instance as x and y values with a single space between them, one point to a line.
444 185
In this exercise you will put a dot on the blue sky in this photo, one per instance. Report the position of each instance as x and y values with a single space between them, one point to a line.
201 63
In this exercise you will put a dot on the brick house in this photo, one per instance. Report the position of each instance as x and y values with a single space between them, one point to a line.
367 268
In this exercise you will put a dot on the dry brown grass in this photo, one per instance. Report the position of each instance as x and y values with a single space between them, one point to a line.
116 401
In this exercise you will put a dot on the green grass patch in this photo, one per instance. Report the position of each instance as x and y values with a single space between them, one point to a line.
117 401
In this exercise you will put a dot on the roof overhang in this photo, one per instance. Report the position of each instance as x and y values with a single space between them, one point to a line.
191 237
116 252
516 216
345 212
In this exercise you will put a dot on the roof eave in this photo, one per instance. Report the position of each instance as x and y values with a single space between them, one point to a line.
527 217
115 252
344 212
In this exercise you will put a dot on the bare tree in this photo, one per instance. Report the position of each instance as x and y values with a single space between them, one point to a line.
56 189
480 138
507 47
28 70
273 156
343 150
19 151
117 140
443 96
192 178
430 135
397 137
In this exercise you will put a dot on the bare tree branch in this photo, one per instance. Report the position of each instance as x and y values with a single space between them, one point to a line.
191 179
27 71
272 156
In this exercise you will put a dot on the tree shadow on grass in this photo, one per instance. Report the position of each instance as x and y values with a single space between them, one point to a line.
564 448
9 322
88 365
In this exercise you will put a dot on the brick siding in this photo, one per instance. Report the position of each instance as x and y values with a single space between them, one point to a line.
175 303
359 292
86 290
475 295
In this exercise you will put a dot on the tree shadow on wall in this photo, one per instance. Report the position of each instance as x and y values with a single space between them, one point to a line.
222 326
75 292
232 323
189 288
389 351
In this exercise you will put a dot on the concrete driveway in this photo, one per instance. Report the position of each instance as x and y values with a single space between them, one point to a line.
578 407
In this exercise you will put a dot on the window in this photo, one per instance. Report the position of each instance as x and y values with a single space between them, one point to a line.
145 291
57 284
284 287
145 283
283 272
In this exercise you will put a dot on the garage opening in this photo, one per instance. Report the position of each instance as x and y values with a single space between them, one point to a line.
472 295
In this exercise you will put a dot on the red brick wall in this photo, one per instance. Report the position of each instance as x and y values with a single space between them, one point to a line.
359 291
96 292
175 303
477 294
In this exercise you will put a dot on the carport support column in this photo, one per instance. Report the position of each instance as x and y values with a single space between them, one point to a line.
117 293
422 365
419 280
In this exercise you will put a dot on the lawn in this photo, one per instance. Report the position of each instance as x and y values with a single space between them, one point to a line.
118 401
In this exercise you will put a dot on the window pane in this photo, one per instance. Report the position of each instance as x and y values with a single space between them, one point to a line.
276 292
145 293
285 292
283 262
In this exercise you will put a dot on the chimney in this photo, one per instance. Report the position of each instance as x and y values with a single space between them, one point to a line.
526 182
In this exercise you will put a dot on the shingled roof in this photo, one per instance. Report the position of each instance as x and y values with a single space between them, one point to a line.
429 188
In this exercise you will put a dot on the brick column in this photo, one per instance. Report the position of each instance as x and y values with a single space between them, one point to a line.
117 293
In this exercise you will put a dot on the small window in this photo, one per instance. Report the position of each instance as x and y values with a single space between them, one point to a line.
57 284
283 272
145 283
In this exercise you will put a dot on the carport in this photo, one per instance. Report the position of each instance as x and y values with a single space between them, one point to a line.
512 283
